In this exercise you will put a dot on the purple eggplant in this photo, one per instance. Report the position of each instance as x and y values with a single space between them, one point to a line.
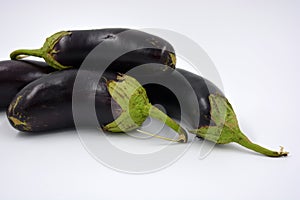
46 104
68 49
215 119
16 74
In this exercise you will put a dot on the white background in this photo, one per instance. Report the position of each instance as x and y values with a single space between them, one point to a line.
255 47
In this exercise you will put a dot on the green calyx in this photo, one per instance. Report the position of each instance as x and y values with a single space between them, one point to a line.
226 128
170 61
46 52
135 105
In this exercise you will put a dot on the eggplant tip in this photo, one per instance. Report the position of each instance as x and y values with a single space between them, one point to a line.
18 123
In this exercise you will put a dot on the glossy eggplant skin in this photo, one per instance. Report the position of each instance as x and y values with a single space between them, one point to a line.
16 74
73 48
46 104
182 79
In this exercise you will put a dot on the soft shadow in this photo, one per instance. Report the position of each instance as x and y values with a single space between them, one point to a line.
2 111
66 131
127 135
231 147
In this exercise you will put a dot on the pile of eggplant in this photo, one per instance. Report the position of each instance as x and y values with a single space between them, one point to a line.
38 95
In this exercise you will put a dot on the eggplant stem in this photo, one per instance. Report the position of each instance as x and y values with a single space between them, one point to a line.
161 116
226 128
46 52
135 105
20 53
245 142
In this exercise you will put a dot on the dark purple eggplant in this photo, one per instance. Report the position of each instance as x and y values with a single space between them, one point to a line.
215 119
68 49
46 104
14 75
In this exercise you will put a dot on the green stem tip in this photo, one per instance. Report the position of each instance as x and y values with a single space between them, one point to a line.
47 52
21 53
244 141
135 105
226 128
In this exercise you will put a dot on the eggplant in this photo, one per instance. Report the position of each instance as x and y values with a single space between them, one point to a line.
46 104
68 49
216 120
14 75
